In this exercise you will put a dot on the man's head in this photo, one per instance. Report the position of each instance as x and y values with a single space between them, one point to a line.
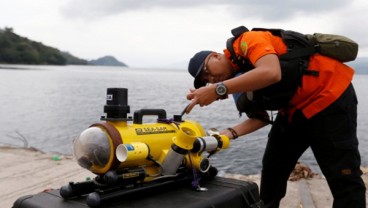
196 65
209 67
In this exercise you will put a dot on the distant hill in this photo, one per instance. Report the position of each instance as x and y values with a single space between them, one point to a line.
15 49
107 61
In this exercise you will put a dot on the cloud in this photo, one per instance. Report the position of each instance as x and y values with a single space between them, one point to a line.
288 9
263 9
164 31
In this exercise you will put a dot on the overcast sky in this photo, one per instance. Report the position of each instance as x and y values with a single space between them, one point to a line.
166 33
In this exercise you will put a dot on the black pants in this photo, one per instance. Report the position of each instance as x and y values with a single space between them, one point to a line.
331 134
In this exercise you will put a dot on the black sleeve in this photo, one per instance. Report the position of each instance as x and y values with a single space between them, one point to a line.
244 105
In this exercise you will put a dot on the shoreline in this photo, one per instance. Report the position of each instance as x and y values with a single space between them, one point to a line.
30 171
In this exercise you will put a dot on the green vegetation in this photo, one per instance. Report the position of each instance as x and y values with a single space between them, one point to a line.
72 60
15 49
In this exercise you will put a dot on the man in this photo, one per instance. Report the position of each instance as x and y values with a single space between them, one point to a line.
321 113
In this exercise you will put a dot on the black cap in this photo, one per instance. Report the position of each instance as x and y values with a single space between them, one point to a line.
196 65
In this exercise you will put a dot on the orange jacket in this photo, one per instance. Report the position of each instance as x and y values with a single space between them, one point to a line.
316 92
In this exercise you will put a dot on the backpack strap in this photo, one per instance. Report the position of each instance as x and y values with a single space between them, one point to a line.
275 32
238 60
298 45
239 30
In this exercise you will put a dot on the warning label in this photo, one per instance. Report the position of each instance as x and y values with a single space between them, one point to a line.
153 130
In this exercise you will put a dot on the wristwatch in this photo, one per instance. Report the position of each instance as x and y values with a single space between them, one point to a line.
221 89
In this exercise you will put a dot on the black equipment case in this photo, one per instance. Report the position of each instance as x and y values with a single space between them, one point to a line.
222 193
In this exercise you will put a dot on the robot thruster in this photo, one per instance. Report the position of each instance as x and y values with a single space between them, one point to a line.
128 155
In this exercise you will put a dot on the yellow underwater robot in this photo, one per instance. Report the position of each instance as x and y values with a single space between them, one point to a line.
128 155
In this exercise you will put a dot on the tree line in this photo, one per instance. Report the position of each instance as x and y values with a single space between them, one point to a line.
15 49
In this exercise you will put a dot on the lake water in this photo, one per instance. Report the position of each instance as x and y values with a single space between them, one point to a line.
48 106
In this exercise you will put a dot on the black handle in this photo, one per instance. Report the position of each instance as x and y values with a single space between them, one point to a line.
138 114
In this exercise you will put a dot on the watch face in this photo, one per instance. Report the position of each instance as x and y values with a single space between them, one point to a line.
221 89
